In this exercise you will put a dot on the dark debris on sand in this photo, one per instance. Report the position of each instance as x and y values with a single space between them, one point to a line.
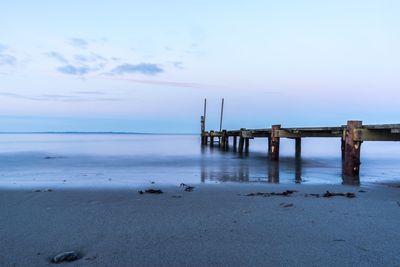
286 205
65 256
334 194
188 188
151 191
284 193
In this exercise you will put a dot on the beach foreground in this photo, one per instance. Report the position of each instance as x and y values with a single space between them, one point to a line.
214 225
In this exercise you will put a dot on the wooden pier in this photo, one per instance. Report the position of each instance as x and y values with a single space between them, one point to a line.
351 135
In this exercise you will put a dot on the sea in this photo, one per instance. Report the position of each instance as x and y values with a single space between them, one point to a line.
124 160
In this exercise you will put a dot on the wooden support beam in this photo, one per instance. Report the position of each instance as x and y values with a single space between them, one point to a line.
297 147
241 141
246 145
269 145
223 140
274 153
376 135
235 143
351 166
343 144
202 123
288 133
211 138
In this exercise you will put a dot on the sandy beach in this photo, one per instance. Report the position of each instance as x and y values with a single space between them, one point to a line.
215 225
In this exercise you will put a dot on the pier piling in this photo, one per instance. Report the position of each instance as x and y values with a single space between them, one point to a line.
246 145
274 144
297 147
351 166
241 140
234 143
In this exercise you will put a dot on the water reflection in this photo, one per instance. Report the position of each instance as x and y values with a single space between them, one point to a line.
226 165
298 170
273 172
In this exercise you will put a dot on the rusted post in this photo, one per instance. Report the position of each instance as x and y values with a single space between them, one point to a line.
241 141
234 143
351 166
211 138
297 147
274 144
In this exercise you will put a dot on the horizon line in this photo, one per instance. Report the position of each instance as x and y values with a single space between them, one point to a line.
96 132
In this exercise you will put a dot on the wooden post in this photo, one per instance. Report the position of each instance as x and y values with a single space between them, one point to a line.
246 145
223 140
205 138
205 110
297 147
241 141
202 130
351 166
234 143
269 145
343 143
211 138
222 115
274 144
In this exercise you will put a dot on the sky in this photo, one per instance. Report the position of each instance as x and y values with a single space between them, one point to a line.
146 66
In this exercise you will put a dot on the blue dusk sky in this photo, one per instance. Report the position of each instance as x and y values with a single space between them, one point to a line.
146 66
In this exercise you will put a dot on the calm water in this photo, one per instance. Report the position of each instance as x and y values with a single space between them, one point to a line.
115 160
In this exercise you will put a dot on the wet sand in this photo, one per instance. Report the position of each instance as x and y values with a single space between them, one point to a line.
215 225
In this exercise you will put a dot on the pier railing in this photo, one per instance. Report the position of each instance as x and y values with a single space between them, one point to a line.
351 135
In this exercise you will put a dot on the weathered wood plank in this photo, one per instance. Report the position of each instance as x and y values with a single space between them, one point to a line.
246 134
375 135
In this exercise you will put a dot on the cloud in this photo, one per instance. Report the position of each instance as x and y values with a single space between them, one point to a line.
78 42
142 68
166 83
59 98
177 64
89 58
57 56
6 59
73 70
